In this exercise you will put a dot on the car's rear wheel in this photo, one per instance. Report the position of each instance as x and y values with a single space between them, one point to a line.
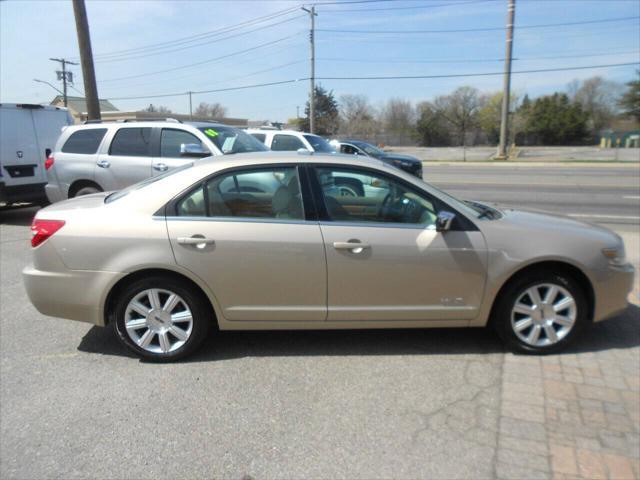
541 313
161 319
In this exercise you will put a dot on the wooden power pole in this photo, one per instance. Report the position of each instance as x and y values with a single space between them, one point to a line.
504 121
86 59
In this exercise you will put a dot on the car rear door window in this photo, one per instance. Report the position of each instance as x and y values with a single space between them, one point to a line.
286 143
132 142
84 141
259 136
171 141
272 193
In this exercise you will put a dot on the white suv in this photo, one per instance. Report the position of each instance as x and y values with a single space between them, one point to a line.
291 140
107 156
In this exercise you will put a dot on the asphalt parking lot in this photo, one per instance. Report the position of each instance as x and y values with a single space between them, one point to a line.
443 403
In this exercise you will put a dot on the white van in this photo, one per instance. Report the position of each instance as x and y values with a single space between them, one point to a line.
28 134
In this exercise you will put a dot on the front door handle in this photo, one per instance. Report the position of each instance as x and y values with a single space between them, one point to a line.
104 164
353 247
161 167
198 241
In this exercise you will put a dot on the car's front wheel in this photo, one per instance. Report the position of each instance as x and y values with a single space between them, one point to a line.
161 318
541 312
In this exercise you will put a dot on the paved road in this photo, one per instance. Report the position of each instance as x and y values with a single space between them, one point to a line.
600 194
439 404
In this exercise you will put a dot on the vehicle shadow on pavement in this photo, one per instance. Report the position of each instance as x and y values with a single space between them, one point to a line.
620 332
18 216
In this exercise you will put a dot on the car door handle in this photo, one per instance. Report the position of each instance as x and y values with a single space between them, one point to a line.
353 247
161 167
104 164
198 241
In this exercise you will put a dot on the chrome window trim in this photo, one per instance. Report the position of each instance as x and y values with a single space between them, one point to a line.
234 220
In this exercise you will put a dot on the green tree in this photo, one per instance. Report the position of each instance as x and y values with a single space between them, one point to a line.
326 121
554 120
630 101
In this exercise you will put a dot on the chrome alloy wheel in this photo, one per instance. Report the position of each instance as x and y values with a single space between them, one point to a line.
543 314
158 321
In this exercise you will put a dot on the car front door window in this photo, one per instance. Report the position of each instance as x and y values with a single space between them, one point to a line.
286 143
383 200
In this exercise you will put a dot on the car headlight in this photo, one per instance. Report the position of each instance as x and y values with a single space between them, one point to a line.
615 255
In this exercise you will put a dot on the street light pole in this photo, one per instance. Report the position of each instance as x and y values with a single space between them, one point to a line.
504 121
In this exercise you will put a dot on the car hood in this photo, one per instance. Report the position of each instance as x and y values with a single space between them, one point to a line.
550 227
397 156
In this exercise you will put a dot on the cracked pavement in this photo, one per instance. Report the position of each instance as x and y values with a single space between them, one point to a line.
444 404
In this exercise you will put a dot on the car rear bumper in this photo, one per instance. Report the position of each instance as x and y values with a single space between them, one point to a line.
54 193
72 294
612 290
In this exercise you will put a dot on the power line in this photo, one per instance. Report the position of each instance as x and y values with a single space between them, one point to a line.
208 42
200 36
483 74
410 77
412 7
483 29
181 67
475 60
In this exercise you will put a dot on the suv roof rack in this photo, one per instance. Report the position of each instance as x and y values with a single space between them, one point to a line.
130 120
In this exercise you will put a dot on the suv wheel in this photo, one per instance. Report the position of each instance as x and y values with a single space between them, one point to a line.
87 191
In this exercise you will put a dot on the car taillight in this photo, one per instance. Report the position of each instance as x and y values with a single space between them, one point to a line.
43 229
48 163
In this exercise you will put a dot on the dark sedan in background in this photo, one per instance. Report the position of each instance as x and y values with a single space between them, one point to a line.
356 147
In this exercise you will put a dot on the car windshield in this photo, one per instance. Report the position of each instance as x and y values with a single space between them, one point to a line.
369 149
232 140
147 181
319 144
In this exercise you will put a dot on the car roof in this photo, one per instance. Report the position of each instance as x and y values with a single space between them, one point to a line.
287 132
148 123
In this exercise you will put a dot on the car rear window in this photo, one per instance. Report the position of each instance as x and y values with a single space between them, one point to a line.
132 142
84 141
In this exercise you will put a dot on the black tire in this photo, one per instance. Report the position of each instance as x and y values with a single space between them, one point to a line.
502 313
87 191
202 316
352 184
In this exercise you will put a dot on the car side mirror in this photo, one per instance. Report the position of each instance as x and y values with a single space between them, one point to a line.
193 150
304 151
444 221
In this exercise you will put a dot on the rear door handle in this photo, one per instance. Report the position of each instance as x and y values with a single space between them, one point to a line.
104 164
197 240
353 247
161 167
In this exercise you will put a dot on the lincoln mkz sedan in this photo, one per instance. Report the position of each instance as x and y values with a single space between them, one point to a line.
266 242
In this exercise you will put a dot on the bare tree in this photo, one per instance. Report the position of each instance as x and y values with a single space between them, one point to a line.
598 98
211 110
399 118
156 109
461 111
357 116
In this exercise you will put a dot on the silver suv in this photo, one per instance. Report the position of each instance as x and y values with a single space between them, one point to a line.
104 156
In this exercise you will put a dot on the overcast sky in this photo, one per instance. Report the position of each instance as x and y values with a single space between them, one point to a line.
33 31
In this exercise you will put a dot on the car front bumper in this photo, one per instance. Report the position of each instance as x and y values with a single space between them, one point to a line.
71 294
611 291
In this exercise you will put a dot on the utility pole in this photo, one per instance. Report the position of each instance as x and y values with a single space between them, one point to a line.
312 92
86 58
190 106
64 76
504 121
